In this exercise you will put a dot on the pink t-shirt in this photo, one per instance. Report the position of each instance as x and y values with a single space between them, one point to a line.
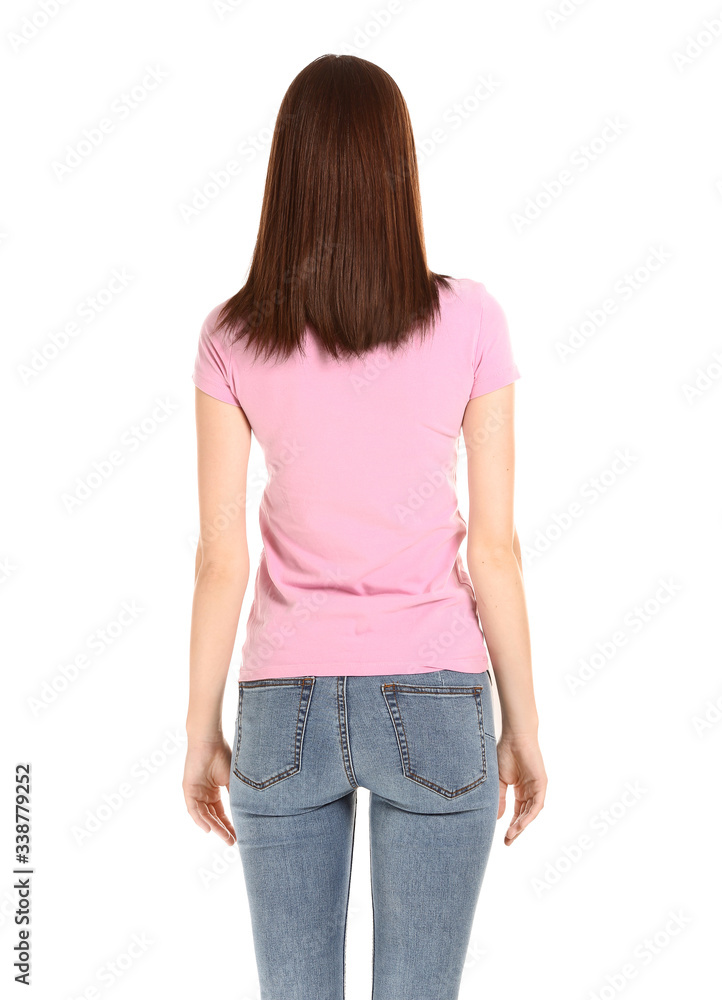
360 571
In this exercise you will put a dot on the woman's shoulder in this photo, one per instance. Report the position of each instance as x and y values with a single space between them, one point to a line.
475 295
468 289
466 295
211 324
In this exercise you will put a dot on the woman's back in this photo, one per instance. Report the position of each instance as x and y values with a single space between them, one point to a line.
360 570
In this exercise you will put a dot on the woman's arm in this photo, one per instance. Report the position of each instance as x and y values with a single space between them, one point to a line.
221 577
517 550
493 565
224 442
494 561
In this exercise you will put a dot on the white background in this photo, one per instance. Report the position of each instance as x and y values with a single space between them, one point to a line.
566 910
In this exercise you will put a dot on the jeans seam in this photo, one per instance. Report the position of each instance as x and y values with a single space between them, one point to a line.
343 731
407 768
294 768
480 705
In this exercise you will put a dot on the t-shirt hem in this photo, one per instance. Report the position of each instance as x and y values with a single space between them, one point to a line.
341 668
212 388
497 380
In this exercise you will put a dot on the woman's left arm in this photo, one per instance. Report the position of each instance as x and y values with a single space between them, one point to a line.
222 572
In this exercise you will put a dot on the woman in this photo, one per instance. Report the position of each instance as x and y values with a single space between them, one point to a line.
364 664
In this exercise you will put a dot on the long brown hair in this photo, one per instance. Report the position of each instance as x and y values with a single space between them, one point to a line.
340 245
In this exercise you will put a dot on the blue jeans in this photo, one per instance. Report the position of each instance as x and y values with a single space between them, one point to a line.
424 746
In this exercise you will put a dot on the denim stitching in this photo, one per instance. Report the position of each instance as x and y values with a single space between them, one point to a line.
238 723
391 689
434 688
343 732
301 730
303 683
483 725
480 707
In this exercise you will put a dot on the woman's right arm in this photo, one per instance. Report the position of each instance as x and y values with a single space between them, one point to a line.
495 570
517 550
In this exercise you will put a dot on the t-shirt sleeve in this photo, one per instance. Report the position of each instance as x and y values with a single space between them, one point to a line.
494 364
212 368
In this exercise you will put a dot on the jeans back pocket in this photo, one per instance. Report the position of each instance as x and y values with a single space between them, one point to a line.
440 734
270 726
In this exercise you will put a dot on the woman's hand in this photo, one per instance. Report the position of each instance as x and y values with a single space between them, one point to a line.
521 765
207 770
